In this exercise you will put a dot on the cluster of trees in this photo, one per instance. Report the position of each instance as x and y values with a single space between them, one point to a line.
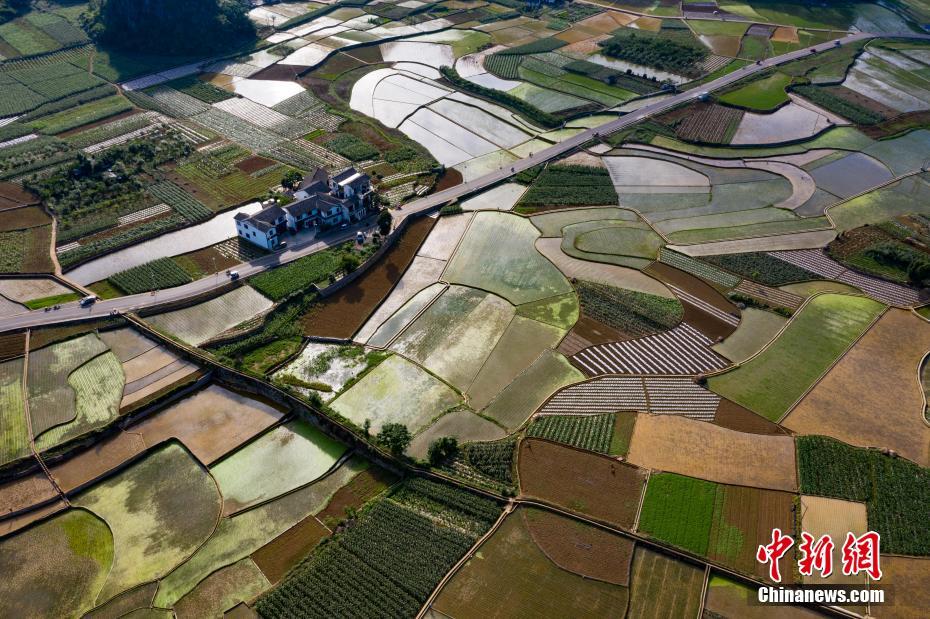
9 9
660 53
170 27
915 263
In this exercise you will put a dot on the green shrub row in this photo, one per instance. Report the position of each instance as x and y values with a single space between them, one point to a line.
634 313
838 105
531 112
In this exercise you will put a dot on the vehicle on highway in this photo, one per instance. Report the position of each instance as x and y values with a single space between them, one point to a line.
88 300
234 275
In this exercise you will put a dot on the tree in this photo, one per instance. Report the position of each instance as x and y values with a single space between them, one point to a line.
171 27
291 179
395 436
442 450
349 263
384 221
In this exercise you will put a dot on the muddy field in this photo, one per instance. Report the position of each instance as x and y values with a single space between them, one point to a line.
343 313
732 416
705 322
581 481
580 548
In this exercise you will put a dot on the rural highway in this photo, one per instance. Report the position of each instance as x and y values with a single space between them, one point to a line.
72 312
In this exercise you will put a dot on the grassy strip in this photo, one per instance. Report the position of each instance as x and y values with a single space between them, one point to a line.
531 112
896 491
53 300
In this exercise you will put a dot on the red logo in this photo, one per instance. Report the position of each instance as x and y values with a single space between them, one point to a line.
859 554
771 553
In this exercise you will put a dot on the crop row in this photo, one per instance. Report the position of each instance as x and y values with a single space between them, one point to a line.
714 124
570 185
154 275
125 237
762 268
838 105
178 104
83 115
282 282
238 130
109 131
387 563
182 202
505 66
591 432
199 89
495 460
634 313
895 490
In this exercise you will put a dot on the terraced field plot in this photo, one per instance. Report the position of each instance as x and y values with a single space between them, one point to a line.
456 334
160 510
464 425
51 397
530 389
756 329
198 323
298 451
772 382
57 567
518 273
397 391
513 576
15 434
327 364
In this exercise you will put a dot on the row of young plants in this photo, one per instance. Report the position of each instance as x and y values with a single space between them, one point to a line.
154 275
634 313
762 268
591 432
896 491
388 560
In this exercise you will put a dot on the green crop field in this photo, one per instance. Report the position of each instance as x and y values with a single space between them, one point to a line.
154 275
591 432
678 510
634 313
763 94
14 434
895 490
770 383
298 276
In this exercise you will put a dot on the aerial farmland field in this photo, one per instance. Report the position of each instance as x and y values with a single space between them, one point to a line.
460 309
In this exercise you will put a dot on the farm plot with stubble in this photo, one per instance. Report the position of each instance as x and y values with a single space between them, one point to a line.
198 323
296 451
511 576
396 391
703 450
664 587
518 272
851 402
772 382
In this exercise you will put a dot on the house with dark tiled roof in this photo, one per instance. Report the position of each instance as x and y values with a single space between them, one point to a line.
319 201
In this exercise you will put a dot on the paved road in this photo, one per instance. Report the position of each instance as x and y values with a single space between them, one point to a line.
71 312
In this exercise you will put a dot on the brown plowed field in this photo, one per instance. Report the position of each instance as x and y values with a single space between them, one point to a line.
707 451
12 345
98 460
22 218
580 481
343 313
872 397
25 491
254 164
909 578
11 525
363 487
580 548
705 323
277 557
15 193
744 519
732 416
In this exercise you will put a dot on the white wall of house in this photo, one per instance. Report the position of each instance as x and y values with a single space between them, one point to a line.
266 240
